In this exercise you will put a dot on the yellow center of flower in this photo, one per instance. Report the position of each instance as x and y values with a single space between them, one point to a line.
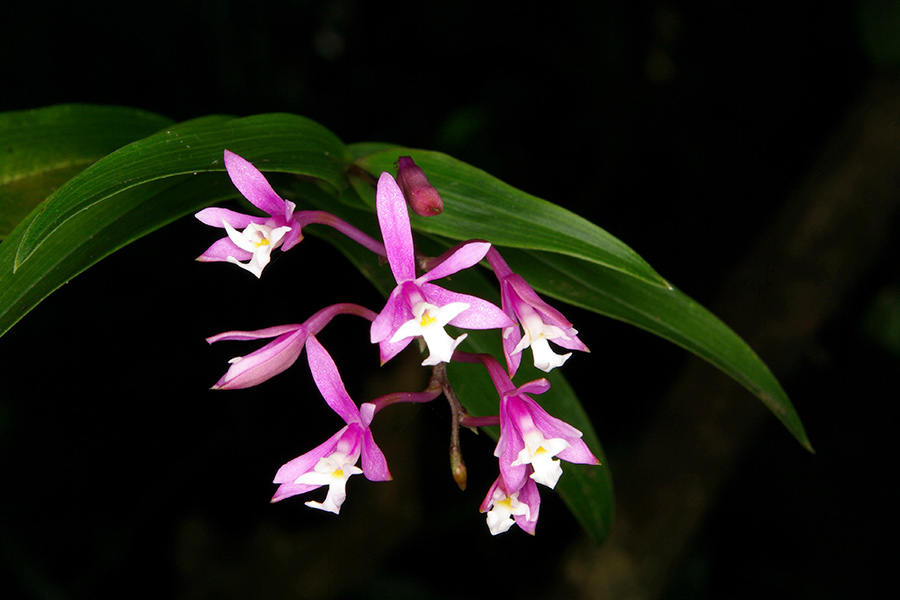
262 242
427 320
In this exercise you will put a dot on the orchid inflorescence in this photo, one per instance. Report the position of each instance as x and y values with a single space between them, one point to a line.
531 442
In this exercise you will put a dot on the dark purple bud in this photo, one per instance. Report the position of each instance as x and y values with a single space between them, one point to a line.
421 196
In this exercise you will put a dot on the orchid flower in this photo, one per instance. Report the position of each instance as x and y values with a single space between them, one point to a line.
417 307
250 240
279 354
333 462
530 439
541 323
506 507
265 363
530 436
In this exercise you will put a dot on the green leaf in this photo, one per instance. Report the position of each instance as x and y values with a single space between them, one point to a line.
70 250
668 313
145 185
275 142
43 148
480 206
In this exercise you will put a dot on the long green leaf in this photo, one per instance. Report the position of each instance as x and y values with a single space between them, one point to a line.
89 236
478 205
145 185
276 142
664 311
45 147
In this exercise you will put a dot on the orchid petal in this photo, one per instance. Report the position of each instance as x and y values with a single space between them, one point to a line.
393 218
538 386
480 315
394 313
388 350
530 496
223 249
549 425
374 463
286 490
295 235
243 336
328 380
215 216
512 337
467 255
527 294
252 184
292 470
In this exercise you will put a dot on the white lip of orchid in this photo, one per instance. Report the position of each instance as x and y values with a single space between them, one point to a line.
428 321
539 452
545 358
257 239
333 470
503 510
537 334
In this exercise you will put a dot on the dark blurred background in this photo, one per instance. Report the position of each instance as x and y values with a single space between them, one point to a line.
726 142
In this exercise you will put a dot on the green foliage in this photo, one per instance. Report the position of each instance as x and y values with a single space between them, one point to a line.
90 192
43 149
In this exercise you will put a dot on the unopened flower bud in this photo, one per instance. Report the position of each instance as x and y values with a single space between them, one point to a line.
458 467
421 196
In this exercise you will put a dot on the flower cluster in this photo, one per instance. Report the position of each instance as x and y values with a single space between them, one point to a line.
532 442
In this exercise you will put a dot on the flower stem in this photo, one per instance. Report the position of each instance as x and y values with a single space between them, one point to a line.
319 320
321 217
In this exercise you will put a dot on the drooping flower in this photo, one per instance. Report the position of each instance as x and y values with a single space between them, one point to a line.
279 354
250 239
423 198
270 360
541 323
417 307
334 461
505 507
532 442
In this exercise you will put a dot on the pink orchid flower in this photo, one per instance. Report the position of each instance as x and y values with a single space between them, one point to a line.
505 507
541 323
250 240
279 354
530 436
531 441
263 364
333 462
417 307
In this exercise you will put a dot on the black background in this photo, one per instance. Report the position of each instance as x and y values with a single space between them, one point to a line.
680 127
